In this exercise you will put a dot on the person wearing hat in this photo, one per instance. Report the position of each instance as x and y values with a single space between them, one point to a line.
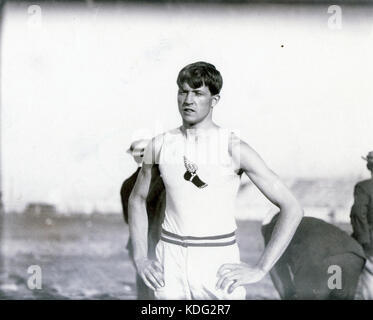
155 209
362 226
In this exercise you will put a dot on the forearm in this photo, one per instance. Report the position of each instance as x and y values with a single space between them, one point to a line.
138 227
283 231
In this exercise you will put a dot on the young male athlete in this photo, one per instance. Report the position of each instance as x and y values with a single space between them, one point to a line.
201 165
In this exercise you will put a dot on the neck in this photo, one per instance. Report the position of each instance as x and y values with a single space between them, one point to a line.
189 130
206 123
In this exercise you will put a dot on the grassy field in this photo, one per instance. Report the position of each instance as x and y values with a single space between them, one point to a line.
84 257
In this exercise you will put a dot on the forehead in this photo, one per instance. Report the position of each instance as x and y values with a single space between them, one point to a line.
185 86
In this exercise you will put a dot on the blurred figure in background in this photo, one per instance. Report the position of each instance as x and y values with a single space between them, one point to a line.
155 204
362 226
302 272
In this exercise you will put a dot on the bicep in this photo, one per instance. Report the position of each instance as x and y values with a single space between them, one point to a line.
263 177
141 187
144 178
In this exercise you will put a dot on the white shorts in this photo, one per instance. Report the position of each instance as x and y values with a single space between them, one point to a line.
190 267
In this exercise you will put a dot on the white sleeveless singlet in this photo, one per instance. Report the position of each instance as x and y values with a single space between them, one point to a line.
203 205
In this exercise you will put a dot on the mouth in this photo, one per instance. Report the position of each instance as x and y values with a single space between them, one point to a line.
188 110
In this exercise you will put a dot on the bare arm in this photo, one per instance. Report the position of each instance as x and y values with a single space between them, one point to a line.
289 218
137 215
150 271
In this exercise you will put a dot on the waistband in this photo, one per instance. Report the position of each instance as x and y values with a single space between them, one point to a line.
227 239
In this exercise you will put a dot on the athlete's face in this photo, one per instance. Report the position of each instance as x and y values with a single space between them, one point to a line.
195 105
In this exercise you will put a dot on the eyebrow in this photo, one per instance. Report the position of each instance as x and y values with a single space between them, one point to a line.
193 90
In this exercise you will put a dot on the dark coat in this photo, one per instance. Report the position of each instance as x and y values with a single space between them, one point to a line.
315 246
362 215
125 192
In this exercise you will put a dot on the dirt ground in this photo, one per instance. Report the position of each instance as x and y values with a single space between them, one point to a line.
85 257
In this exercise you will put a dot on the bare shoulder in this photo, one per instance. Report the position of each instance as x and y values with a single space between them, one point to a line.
152 151
242 152
236 142
151 154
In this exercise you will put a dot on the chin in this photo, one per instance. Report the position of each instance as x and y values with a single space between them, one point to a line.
189 121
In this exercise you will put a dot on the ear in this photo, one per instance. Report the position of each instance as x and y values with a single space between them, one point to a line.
214 101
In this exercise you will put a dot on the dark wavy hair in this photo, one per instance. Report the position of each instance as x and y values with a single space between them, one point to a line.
201 73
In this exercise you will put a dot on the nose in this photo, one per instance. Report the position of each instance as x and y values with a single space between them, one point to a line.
189 98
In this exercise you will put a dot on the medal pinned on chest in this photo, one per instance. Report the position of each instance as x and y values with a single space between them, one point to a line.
191 174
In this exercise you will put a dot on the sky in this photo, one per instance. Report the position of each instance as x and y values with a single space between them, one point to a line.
78 85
